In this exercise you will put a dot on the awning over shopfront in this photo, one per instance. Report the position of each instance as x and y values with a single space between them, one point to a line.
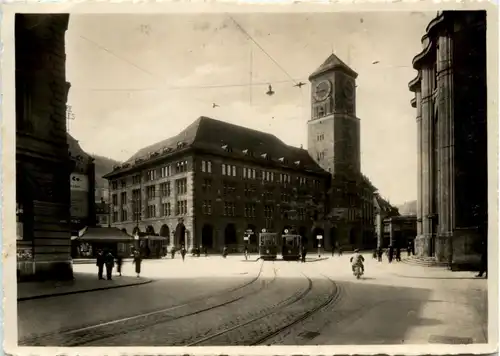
104 234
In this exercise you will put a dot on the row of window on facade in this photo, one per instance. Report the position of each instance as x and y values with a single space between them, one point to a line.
152 174
229 209
206 167
152 192
151 211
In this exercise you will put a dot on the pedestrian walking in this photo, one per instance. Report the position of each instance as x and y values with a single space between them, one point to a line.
390 253
199 250
398 254
483 268
119 262
100 264
183 252
206 251
137 261
246 252
172 252
380 253
224 252
410 243
340 251
109 261
304 253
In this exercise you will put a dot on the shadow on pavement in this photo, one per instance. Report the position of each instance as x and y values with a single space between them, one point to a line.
376 314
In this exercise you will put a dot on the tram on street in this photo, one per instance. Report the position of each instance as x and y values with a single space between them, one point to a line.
291 248
268 245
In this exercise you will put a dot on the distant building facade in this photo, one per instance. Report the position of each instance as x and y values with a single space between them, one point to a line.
212 182
451 98
334 143
43 165
399 231
383 210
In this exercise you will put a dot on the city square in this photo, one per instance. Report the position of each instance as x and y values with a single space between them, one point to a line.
184 304
251 183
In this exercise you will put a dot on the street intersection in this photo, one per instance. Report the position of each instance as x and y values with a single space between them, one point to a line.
211 301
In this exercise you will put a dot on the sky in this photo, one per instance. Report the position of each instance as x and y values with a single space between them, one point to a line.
138 79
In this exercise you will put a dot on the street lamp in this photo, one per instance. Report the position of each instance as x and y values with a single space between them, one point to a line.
319 237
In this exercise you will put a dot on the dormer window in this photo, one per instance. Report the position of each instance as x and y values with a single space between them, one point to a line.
180 144
297 163
265 156
281 159
227 148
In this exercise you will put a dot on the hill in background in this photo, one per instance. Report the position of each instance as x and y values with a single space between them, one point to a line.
408 208
103 165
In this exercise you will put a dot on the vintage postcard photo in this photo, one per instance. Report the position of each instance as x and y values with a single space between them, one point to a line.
308 179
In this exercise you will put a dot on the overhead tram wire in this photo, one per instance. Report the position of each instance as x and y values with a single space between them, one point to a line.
190 87
261 48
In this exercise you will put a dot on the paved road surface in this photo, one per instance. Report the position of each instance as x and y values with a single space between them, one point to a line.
214 301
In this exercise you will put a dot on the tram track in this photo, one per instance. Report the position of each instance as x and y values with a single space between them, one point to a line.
84 335
257 331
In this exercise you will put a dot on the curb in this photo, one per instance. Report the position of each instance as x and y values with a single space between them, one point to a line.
82 291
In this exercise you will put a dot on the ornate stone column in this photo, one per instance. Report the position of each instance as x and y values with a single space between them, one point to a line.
418 99
426 142
445 147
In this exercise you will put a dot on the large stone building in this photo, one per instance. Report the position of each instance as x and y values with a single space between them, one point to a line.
334 143
451 98
227 179
42 162
216 180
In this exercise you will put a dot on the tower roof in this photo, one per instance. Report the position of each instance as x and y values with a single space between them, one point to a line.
333 62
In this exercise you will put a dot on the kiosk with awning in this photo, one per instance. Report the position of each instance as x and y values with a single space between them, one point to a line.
153 246
91 239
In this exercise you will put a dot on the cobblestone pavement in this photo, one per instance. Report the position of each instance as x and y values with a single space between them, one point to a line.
290 303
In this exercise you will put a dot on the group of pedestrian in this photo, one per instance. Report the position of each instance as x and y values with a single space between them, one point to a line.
105 259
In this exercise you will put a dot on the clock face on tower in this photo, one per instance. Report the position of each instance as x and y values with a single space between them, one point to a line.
322 90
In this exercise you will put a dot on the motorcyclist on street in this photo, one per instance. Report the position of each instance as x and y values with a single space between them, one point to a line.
357 260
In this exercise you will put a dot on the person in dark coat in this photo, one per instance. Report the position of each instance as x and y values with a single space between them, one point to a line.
483 269
172 252
183 252
340 250
100 264
206 251
119 262
390 253
109 261
398 254
380 252
137 261
304 253
410 245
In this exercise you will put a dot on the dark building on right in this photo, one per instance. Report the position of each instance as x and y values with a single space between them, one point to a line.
451 98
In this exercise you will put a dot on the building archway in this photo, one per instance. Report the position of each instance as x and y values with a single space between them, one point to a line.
207 236
125 231
136 231
318 231
352 237
165 232
303 233
253 237
333 237
150 230
230 235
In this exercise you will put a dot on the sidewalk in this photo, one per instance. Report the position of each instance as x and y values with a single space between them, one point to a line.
83 282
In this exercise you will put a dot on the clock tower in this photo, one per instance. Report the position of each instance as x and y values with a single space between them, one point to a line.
334 130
